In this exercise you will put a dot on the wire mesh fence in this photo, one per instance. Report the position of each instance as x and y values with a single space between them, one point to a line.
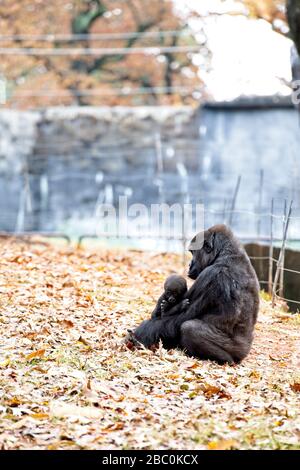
62 205
63 169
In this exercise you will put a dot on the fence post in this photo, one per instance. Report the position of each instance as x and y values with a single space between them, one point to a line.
224 211
260 195
271 251
236 191
281 280
279 262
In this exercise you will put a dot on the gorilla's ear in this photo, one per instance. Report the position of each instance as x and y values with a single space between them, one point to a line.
209 243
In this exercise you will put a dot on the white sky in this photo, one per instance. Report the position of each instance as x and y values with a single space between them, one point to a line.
249 58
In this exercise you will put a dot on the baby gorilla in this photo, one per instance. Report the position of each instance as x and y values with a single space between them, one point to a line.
175 289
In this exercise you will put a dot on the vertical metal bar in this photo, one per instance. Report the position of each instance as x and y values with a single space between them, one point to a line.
160 167
260 194
260 263
224 210
281 278
184 188
271 250
184 260
233 203
279 263
159 153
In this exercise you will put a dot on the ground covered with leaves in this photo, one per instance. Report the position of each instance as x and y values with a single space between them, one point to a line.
67 382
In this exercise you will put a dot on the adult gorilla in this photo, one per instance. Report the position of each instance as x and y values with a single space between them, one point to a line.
223 303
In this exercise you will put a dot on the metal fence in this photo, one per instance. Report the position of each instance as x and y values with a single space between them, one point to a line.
275 227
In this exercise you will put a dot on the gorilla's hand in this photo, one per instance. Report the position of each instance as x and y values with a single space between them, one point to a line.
164 306
185 305
180 308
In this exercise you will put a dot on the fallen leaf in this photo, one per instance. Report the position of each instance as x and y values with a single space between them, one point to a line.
35 354
67 323
210 390
5 363
64 410
295 386
222 444
83 341
40 416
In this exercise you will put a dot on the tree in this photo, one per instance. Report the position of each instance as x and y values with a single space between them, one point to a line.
293 15
272 11
76 79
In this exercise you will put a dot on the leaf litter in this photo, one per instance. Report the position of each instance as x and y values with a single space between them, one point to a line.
68 382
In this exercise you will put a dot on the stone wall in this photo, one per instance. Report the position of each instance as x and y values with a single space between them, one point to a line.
18 133
64 155
55 164
93 132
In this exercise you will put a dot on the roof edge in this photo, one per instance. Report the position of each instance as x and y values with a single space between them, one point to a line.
252 102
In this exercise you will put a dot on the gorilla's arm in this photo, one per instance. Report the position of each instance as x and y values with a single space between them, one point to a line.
212 291
157 311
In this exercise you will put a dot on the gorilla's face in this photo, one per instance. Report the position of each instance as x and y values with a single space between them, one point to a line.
175 287
204 256
170 297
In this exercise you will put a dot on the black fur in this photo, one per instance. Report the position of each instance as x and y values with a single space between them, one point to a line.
175 289
224 302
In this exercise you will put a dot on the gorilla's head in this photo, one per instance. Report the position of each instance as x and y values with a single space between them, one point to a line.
175 287
214 242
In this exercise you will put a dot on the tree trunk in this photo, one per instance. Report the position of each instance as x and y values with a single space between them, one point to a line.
293 16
